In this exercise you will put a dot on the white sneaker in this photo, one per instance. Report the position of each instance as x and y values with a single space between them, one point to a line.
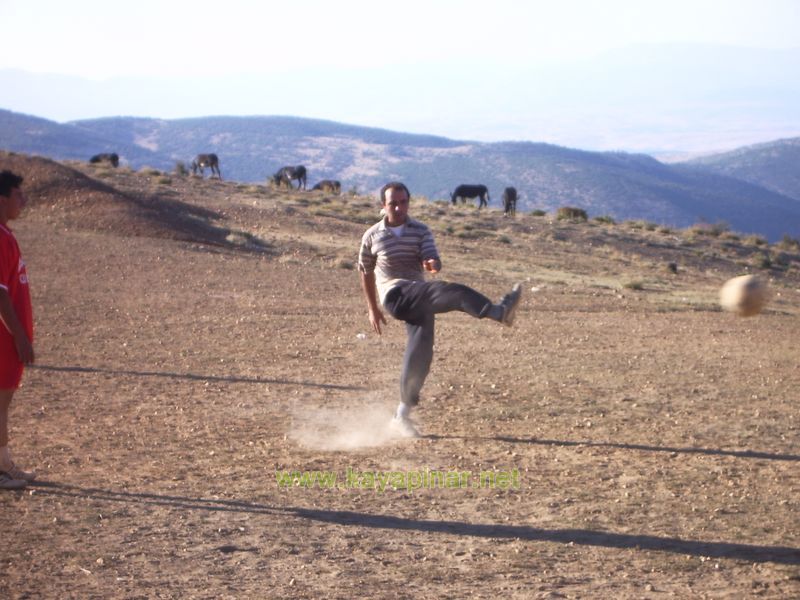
404 427
7 482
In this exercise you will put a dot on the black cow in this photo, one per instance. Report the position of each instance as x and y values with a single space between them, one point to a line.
465 191
201 161
329 185
285 175
112 158
509 201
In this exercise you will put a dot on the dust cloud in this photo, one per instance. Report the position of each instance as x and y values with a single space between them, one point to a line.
364 425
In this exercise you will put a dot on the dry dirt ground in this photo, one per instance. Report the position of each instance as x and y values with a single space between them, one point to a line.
196 337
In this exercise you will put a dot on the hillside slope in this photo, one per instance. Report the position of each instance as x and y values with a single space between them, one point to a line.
624 186
774 165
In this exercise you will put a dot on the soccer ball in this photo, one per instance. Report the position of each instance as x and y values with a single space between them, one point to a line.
744 295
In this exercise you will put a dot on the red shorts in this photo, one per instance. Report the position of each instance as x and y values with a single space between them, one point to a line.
10 365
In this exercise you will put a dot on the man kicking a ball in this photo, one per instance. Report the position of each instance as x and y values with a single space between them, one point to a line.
394 255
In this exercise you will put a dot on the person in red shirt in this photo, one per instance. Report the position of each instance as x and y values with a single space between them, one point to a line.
16 322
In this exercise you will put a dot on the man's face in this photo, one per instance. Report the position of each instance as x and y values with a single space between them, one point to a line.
395 203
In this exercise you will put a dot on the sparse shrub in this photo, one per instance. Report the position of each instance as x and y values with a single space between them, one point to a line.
164 180
665 230
789 242
755 240
634 285
672 267
782 259
646 225
697 231
344 263
504 239
180 169
538 213
571 213
764 261
718 228
713 230
470 233
606 219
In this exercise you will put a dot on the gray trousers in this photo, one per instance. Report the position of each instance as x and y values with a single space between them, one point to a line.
417 303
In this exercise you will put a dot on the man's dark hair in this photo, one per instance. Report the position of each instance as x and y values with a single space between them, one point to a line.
9 181
393 185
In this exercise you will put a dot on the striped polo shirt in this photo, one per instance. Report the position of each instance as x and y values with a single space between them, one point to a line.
396 258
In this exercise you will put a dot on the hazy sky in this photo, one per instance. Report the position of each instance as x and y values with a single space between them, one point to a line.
103 40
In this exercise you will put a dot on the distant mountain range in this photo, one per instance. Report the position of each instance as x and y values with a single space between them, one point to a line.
754 189
775 166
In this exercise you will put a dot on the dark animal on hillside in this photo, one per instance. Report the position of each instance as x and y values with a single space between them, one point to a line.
285 175
510 201
329 185
465 191
111 158
201 161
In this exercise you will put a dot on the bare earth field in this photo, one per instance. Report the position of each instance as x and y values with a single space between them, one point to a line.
196 337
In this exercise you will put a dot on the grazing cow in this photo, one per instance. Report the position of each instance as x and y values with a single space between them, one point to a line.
329 185
201 161
510 201
465 191
285 175
112 158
